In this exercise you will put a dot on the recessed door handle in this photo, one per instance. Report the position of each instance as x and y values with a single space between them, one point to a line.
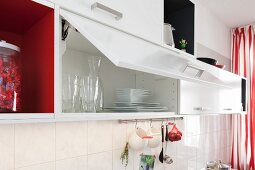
201 109
228 109
199 73
118 15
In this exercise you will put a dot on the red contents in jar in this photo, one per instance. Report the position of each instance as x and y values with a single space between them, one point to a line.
10 81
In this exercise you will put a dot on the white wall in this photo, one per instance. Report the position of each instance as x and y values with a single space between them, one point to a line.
211 32
97 145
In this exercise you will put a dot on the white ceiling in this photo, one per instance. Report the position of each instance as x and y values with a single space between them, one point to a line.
233 13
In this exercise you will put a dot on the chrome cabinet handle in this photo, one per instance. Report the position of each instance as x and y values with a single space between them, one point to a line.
118 15
201 109
200 71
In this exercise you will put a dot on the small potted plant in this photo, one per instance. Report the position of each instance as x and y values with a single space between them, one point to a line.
183 44
147 162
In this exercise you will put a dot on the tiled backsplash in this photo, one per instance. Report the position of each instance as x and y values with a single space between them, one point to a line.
97 145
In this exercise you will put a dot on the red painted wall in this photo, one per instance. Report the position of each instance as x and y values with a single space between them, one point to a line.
38 66
12 38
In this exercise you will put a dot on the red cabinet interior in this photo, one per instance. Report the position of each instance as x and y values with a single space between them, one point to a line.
30 26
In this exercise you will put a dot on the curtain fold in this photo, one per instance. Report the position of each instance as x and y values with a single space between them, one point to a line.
243 126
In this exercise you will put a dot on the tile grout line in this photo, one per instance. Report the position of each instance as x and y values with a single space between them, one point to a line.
87 143
55 129
14 148
30 165
112 140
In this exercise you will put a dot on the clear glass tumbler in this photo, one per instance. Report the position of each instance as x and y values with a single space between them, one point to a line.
71 95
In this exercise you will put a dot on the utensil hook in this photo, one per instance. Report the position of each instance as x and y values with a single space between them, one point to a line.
151 123
135 123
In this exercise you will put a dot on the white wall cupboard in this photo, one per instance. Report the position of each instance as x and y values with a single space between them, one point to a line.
197 98
130 61
212 92
143 18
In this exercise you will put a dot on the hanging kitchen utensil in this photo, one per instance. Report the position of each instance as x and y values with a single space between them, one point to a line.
166 138
175 134
167 158
161 155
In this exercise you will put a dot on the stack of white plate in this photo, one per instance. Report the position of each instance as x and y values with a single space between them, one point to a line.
133 100
132 95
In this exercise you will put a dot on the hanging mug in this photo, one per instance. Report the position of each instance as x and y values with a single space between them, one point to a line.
138 139
155 141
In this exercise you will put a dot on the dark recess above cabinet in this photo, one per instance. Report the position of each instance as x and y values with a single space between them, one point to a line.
180 14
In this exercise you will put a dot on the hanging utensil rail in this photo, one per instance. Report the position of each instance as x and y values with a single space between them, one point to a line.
152 120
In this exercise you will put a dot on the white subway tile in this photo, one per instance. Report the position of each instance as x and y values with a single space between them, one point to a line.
210 142
224 138
119 135
137 159
181 163
192 126
206 124
44 166
192 164
201 162
171 149
100 161
214 123
6 147
185 148
99 136
97 145
34 144
71 139
77 163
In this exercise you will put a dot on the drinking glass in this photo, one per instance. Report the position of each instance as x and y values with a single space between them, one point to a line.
66 94
71 96
84 92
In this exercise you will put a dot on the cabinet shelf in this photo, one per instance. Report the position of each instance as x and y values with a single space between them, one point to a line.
67 117
113 116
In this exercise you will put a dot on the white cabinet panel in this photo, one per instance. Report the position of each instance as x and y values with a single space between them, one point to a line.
197 98
143 18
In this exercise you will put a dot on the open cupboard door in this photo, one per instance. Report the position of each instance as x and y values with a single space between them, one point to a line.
127 51
131 52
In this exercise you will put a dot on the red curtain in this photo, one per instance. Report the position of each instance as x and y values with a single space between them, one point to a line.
243 126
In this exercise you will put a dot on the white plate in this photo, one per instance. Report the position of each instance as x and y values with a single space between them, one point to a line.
123 104
137 109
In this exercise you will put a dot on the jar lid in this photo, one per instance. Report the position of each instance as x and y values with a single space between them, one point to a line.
7 49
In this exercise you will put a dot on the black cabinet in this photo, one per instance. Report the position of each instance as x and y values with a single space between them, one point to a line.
181 15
